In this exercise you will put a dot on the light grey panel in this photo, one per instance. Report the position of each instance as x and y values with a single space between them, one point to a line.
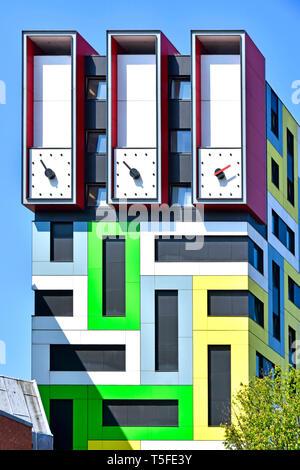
179 65
180 114
95 168
180 168
95 114
95 66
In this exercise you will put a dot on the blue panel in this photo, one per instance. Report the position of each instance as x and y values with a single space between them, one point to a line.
278 346
185 362
147 349
185 322
164 378
276 142
147 299
80 248
173 282
40 241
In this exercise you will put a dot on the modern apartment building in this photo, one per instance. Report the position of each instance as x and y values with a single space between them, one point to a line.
165 240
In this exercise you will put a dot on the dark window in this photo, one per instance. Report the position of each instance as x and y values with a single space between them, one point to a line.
61 241
263 366
207 248
219 385
290 168
256 256
275 224
256 309
224 303
114 276
274 113
290 240
96 89
181 195
276 300
58 303
166 331
96 196
283 232
92 358
275 173
180 89
294 292
140 413
292 346
96 142
61 424
181 141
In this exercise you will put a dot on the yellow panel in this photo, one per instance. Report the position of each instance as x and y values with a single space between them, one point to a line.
114 445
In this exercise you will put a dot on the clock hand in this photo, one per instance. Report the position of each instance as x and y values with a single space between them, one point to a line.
48 172
219 173
134 173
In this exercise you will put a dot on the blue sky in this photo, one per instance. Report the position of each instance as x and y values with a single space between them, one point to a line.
273 25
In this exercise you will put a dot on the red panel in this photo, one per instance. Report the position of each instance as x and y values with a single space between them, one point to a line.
199 51
115 49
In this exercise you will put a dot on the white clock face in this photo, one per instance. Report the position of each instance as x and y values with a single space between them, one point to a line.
135 174
50 174
220 174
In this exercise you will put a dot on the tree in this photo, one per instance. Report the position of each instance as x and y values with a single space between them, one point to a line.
266 413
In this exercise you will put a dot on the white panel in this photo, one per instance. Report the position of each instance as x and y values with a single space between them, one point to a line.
220 77
52 124
201 269
136 124
96 378
52 78
182 445
137 77
220 124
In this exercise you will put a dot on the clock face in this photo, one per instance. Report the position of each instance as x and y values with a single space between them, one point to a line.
50 174
135 174
220 174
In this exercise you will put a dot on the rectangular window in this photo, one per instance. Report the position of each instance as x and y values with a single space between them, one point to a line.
90 358
290 168
181 195
181 141
292 346
294 292
256 256
57 303
96 89
283 232
166 330
61 423
219 385
256 309
96 142
180 89
207 248
96 196
114 276
274 113
263 366
227 303
276 300
275 173
275 224
140 413
290 240
61 249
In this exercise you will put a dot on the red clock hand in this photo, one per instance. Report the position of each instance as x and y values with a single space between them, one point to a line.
220 171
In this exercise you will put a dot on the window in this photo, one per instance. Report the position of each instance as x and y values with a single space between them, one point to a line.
96 196
181 195
276 300
274 113
256 256
166 331
256 309
58 303
61 241
91 357
294 292
290 167
219 385
290 240
292 346
180 89
61 423
263 366
113 276
275 224
181 141
96 89
227 303
283 232
96 142
140 413
275 173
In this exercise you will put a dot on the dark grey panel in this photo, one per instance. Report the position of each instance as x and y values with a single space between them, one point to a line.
113 276
140 413
166 331
57 303
180 168
61 424
95 114
215 248
219 385
95 66
95 165
92 358
179 65
180 114
61 249
228 303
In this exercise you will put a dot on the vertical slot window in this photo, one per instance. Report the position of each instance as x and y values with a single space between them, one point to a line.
180 89
166 331
276 300
274 113
181 195
290 168
114 276
292 346
275 173
61 249
96 142
181 141
96 89
219 385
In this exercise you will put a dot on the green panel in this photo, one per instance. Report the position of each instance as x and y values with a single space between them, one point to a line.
272 153
96 232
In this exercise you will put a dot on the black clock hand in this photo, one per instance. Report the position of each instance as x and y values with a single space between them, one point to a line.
134 173
48 172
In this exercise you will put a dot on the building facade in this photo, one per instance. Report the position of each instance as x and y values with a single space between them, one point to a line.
165 243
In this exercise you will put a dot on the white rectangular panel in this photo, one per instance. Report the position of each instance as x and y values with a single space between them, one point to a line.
52 124
52 78
220 124
220 77
137 124
136 77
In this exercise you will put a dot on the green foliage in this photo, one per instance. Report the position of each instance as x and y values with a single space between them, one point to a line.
266 413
